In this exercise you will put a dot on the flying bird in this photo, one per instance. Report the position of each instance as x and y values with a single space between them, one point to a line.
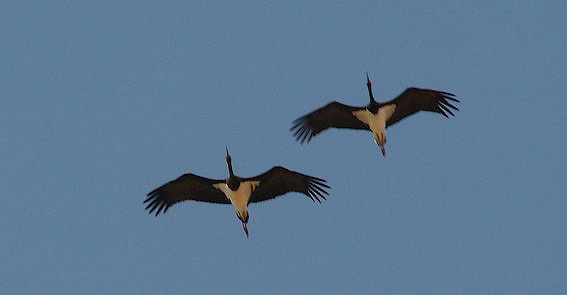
235 190
375 117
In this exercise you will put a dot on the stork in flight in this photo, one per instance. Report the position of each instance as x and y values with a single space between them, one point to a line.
375 117
235 190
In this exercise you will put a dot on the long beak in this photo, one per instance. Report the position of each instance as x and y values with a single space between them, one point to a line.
245 229
383 150
226 147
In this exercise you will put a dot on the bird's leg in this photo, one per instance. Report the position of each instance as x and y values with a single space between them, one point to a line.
380 140
245 229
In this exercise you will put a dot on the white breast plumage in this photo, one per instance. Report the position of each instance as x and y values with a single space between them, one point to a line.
240 197
376 122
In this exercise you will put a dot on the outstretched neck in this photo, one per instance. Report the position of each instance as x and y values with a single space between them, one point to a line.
369 85
233 182
229 163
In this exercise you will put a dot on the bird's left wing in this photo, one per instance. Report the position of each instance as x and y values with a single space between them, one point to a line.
413 100
334 114
279 180
186 187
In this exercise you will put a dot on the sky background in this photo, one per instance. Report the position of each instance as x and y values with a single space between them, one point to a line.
103 101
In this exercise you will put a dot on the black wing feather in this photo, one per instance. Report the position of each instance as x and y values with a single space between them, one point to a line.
186 187
413 100
334 114
279 180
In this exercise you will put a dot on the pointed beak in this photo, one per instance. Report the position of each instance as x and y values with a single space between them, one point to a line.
245 229
367 79
383 150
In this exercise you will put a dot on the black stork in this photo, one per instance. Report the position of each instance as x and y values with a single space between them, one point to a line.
235 190
375 117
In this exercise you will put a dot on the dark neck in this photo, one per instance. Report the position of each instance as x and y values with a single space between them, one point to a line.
229 162
233 181
372 100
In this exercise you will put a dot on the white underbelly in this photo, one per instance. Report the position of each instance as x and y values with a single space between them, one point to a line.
241 196
376 122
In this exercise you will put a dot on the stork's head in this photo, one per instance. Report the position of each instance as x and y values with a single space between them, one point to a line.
243 216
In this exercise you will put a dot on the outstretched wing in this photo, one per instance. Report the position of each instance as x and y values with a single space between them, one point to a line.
413 100
334 114
279 180
186 187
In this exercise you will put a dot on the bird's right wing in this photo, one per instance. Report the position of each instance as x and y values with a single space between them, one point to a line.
334 114
186 187
413 100
279 180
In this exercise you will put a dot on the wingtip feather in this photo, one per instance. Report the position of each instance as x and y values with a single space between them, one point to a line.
446 109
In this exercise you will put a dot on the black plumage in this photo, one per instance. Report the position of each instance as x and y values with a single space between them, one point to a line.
338 115
235 190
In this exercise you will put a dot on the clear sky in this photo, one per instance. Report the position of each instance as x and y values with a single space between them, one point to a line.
103 101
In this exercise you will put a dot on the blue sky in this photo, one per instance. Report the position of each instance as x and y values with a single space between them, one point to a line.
101 102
